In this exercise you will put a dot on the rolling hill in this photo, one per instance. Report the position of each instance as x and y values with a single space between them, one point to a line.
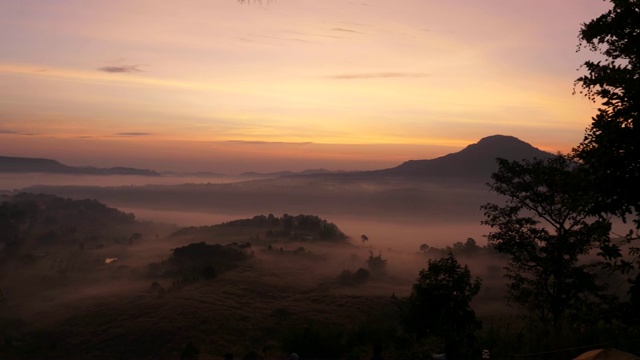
476 161
37 165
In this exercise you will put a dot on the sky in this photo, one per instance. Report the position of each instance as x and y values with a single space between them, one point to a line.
224 86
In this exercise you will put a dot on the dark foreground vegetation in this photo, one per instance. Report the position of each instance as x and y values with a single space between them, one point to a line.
81 280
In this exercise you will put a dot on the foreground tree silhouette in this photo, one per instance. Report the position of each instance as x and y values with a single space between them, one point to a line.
611 145
439 304
544 227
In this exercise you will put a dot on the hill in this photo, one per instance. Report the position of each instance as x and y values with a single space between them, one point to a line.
272 228
449 188
476 161
36 223
37 165
258 175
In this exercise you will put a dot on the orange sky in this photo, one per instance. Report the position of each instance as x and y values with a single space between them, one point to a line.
219 86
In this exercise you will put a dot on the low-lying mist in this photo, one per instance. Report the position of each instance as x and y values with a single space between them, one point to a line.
12 181
399 213
383 232
82 266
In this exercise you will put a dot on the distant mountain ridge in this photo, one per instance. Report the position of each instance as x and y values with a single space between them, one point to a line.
38 165
475 161
252 174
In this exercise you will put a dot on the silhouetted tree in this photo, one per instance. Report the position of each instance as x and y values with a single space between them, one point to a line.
376 264
471 245
544 227
439 304
350 278
12 220
610 148
611 145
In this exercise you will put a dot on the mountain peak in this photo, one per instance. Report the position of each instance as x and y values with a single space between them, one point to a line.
492 139
504 146
475 160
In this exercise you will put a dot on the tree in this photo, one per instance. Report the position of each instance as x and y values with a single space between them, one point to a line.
611 145
349 278
12 222
439 304
376 264
545 227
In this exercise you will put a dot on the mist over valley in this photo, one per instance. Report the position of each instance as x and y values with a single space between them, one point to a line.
237 266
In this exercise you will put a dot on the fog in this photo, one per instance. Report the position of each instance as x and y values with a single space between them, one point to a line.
400 236
11 181
101 273
393 213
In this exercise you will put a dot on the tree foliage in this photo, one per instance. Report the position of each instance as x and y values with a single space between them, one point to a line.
439 304
349 278
206 259
376 264
611 145
610 149
12 219
544 227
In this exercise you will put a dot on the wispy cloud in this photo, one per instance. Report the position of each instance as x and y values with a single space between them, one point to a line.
250 142
344 30
379 75
120 69
13 132
133 134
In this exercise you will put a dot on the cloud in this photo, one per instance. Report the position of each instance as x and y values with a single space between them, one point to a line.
379 75
13 132
345 30
133 134
120 69
268 142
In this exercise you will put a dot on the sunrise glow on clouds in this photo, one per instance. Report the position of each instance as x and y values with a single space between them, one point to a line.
296 83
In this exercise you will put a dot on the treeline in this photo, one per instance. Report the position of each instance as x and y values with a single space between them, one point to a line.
296 228
197 261
49 219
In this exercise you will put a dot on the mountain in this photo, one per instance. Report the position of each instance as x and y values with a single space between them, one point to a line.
287 173
37 165
476 161
198 174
